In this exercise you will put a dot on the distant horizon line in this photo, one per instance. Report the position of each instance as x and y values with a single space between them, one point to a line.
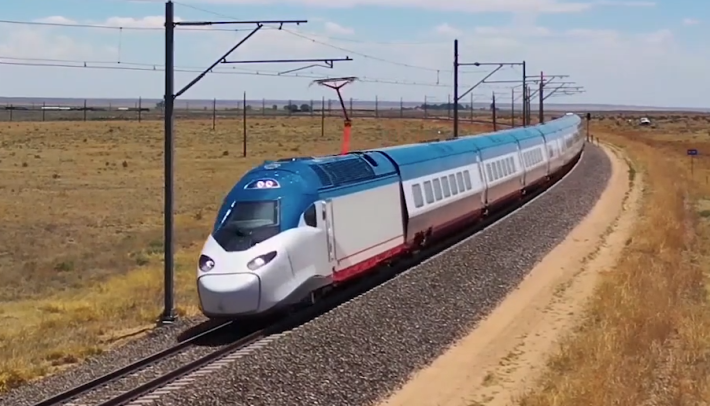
8 99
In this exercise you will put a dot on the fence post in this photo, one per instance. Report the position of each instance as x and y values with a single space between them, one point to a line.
263 106
322 117
311 109
214 114
244 124
84 109
351 107
377 107
512 107
44 110
401 107
140 109
470 108
495 116
448 106
426 110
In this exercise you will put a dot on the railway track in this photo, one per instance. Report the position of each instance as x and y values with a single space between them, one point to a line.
145 389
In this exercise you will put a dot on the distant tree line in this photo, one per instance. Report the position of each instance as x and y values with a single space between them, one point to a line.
442 106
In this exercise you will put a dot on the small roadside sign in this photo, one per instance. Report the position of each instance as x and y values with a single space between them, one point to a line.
692 153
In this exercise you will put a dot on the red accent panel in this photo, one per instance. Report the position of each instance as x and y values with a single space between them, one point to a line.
366 265
371 247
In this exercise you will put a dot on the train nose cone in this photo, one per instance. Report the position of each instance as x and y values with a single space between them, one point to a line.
229 294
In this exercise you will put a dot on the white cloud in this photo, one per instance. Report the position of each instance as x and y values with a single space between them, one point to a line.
55 20
337 29
129 22
508 31
690 21
659 37
447 30
470 6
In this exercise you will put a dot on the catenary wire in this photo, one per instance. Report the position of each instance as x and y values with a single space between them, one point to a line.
128 66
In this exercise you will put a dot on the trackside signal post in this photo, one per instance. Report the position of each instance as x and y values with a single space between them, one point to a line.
169 315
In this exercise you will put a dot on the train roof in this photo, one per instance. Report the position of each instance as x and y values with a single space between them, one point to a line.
310 174
331 170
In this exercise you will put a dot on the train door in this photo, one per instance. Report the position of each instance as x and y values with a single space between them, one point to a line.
324 210
484 180
521 166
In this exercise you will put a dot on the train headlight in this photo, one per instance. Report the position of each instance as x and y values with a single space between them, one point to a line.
261 260
206 263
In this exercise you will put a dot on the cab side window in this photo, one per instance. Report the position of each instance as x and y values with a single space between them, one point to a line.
309 216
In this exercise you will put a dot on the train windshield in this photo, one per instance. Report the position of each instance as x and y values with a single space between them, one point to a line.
247 224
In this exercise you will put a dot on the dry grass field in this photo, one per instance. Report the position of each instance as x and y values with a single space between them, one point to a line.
81 203
645 339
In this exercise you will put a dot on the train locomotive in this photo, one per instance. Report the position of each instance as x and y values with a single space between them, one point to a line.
292 229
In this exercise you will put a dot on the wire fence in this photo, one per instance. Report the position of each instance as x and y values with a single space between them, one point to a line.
141 109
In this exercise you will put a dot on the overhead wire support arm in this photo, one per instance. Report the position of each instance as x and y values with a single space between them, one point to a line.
207 23
480 82
328 61
218 61
498 65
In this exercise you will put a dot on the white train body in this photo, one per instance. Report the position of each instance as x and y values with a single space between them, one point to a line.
289 230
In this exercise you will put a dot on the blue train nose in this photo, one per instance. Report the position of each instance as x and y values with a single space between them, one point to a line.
228 294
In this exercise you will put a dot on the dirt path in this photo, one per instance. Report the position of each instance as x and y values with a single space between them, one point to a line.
499 359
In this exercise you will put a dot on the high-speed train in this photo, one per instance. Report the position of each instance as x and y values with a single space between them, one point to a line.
290 230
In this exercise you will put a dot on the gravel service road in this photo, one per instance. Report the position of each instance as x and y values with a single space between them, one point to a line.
366 348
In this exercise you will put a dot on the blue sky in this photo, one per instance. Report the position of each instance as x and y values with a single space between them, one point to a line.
622 52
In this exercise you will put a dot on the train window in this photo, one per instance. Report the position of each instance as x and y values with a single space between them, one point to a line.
445 186
490 174
511 165
417 192
452 183
467 179
437 189
459 178
428 192
309 216
502 168
495 171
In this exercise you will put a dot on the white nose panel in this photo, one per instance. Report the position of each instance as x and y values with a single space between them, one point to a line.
226 294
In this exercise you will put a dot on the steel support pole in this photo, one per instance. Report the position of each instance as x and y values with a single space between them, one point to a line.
169 151
456 88
525 96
